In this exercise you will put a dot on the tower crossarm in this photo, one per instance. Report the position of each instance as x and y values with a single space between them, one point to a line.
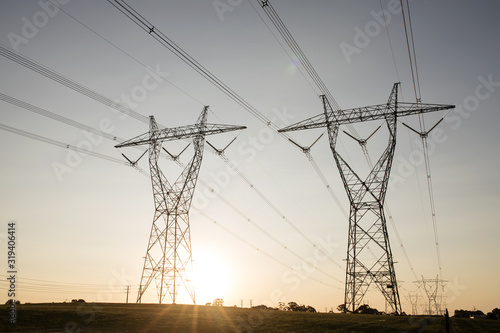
367 113
182 132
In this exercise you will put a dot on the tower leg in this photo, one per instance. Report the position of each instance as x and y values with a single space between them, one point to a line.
369 259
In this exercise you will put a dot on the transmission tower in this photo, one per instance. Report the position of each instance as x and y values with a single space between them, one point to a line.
413 299
431 287
369 256
168 255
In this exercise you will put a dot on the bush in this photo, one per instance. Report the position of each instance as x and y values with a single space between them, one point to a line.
365 309
78 300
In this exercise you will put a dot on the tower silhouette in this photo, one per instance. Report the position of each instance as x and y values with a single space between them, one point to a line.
168 256
369 255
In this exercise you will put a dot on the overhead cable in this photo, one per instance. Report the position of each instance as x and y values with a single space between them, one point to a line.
40 69
59 144
410 42
190 61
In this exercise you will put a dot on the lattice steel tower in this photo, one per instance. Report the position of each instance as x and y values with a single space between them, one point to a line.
168 255
369 256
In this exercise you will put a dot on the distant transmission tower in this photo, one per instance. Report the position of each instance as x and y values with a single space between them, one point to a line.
431 287
413 299
369 256
169 249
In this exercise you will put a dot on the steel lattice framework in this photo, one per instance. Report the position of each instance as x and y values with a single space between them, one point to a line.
369 256
168 255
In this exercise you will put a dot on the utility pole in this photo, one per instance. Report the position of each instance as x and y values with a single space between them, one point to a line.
369 255
128 287
168 254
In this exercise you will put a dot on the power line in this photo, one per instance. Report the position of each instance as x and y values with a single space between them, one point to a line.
423 133
40 69
417 95
282 47
263 252
262 230
287 36
25 61
273 207
185 57
389 39
145 25
249 220
77 87
60 288
59 78
120 49
413 49
297 51
268 234
290 40
59 144
328 187
64 120
56 117
63 145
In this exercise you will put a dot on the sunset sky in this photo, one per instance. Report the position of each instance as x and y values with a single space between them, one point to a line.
83 222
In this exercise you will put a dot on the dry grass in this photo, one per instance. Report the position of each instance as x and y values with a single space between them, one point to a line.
114 317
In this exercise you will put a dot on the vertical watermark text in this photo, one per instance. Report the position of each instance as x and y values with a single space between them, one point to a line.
11 270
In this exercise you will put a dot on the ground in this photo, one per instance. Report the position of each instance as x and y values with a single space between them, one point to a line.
115 317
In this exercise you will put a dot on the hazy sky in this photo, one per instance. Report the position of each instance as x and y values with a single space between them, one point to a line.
85 221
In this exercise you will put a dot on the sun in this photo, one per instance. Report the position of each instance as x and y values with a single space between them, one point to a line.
211 276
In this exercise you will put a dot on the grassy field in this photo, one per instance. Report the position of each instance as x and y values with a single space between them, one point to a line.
114 317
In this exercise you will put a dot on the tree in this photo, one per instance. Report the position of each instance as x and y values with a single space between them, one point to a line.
310 309
342 308
283 307
365 309
468 313
218 302
494 314
301 308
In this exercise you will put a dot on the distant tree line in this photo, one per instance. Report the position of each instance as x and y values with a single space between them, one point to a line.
494 314
362 309
216 302
292 306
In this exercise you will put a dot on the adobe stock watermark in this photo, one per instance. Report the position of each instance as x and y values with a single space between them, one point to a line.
140 92
92 140
32 26
453 290
249 148
292 280
223 6
407 166
372 29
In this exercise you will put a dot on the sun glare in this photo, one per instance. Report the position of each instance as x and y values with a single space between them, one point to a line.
211 277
